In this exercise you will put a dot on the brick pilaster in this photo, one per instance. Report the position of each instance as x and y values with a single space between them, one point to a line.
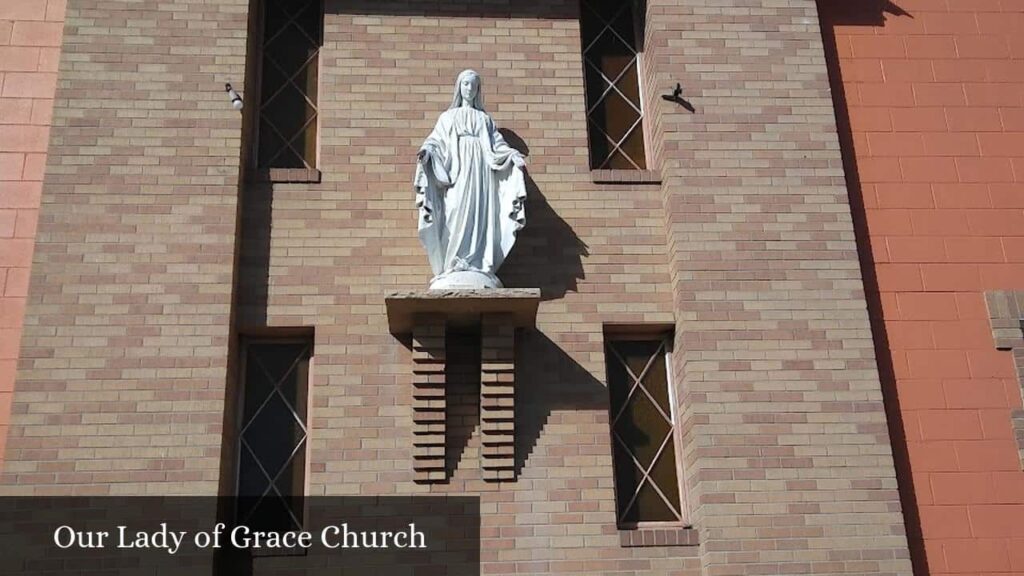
780 403
497 397
428 350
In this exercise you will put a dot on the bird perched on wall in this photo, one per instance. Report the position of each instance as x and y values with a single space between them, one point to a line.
677 97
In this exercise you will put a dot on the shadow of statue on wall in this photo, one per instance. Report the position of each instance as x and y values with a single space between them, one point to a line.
548 254
552 381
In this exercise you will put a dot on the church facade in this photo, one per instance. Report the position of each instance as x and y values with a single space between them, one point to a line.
773 252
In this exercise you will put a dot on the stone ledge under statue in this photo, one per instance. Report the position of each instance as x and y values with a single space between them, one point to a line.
461 307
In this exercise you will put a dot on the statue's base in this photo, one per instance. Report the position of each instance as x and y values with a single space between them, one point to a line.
466 280
427 315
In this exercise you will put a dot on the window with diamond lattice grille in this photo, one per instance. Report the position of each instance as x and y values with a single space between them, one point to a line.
292 35
611 72
272 433
643 433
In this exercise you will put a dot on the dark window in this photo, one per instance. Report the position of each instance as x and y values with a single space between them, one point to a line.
272 434
643 432
292 35
611 71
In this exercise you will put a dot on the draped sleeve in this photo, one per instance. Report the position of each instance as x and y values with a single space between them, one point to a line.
502 153
511 189
432 178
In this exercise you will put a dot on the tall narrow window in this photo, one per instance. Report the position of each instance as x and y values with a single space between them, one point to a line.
292 35
272 434
643 433
611 71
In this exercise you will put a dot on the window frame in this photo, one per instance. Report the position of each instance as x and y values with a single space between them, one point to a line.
279 174
666 340
621 175
245 343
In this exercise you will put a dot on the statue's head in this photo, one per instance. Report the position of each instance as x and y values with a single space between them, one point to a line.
467 88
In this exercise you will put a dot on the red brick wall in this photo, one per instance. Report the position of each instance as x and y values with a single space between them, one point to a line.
30 36
934 100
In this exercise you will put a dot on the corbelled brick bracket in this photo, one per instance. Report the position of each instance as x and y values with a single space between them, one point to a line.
497 396
428 399
427 314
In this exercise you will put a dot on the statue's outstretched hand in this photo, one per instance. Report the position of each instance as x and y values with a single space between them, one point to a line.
519 161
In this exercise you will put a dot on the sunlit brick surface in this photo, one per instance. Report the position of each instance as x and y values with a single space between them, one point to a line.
934 94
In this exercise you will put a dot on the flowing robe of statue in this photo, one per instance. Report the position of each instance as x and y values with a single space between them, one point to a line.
470 191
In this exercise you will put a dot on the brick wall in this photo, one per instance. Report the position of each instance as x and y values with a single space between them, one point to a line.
931 95
788 464
788 458
121 379
30 38
335 248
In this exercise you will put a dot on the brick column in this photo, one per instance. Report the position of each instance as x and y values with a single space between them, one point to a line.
428 353
497 397
786 453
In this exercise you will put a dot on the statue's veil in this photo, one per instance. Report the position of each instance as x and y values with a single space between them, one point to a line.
478 102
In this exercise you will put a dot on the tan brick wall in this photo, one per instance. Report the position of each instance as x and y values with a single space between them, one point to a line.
122 372
788 458
769 297
30 37
597 253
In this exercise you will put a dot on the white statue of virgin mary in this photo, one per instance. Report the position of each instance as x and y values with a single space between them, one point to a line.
470 191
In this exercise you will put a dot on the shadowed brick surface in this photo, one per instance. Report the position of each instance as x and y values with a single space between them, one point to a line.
497 397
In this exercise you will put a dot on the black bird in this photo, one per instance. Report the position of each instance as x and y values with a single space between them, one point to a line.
677 97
